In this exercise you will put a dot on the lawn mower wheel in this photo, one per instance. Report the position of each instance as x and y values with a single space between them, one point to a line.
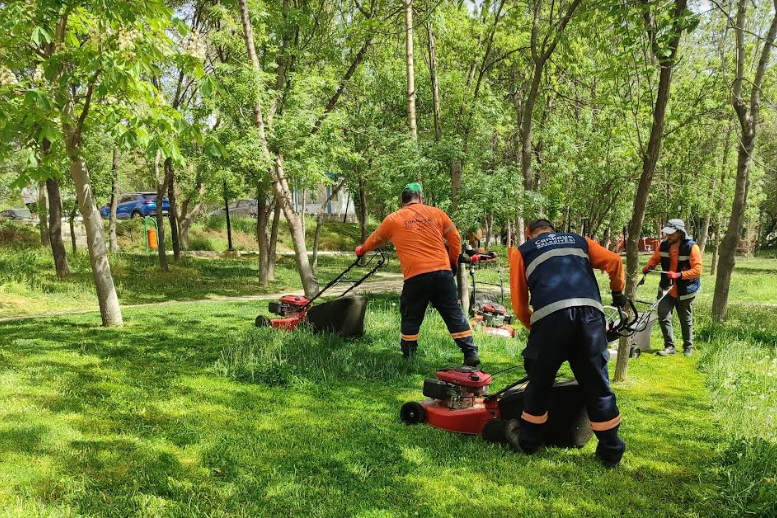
412 413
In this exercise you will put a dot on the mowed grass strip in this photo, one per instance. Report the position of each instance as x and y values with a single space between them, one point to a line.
190 411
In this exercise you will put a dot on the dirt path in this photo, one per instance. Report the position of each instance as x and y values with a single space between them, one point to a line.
382 283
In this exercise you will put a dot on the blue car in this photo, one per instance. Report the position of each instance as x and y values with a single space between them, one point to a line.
136 205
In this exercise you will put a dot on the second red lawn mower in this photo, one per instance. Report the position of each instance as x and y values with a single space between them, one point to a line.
343 315
488 313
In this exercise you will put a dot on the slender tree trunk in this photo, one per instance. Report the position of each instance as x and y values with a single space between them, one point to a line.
435 86
526 128
283 194
363 208
187 217
411 118
71 221
317 240
161 187
113 241
649 161
173 211
749 117
110 310
714 196
43 214
276 221
55 228
261 237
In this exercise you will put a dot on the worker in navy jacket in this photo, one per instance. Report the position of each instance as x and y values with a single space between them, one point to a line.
566 323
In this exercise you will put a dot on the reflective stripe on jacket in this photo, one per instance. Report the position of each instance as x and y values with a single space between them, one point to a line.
686 288
559 274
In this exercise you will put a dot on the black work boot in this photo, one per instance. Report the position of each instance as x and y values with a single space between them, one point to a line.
471 359
528 446
669 350
408 351
610 448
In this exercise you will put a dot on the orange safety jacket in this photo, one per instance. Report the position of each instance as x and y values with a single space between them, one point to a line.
598 257
419 233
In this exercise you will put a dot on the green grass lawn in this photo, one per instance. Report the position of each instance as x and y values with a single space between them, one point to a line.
192 412
189 410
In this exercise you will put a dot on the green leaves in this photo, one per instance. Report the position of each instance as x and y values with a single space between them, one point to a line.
40 35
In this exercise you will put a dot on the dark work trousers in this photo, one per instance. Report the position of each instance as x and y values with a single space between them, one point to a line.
575 334
684 313
439 288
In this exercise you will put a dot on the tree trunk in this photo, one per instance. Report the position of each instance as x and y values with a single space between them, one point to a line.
161 187
55 228
749 117
456 168
112 240
110 311
283 194
186 217
317 240
489 224
649 161
173 211
433 78
411 119
71 221
363 208
705 231
526 128
276 221
261 236
43 215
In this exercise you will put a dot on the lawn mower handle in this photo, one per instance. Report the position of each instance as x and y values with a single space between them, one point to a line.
381 261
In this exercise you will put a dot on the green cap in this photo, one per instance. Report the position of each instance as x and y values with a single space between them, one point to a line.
413 187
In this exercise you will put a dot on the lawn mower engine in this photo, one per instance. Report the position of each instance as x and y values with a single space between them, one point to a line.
458 401
492 318
291 309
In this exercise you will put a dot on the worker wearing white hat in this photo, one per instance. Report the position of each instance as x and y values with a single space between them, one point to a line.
680 260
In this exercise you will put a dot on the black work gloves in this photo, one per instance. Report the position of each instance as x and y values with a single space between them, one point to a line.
619 300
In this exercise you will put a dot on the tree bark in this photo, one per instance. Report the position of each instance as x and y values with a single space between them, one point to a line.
435 85
714 196
55 228
71 221
186 217
749 118
363 208
161 187
411 118
276 221
261 237
320 223
649 161
173 211
43 214
283 194
114 244
110 311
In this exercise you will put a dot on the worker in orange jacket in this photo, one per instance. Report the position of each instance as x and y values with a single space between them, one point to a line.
566 323
680 260
428 246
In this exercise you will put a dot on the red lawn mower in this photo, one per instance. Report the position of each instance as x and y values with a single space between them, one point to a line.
343 315
488 313
458 401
